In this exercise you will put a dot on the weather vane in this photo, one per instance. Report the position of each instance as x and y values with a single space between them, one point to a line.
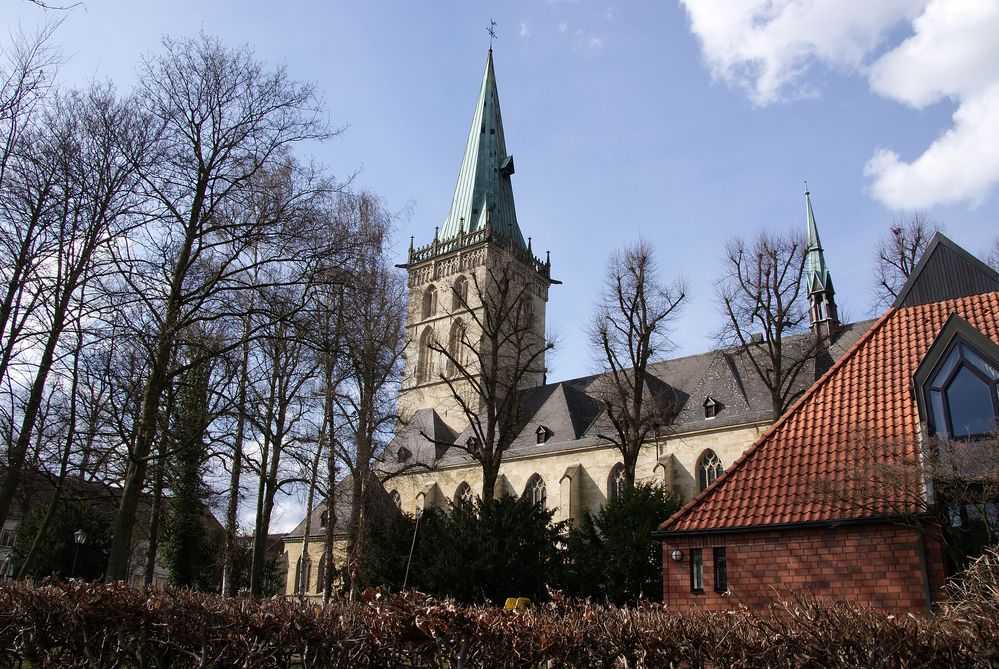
492 33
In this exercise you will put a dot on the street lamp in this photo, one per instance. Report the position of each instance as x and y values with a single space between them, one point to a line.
7 559
79 538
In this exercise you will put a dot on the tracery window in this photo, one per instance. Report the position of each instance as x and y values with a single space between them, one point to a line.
423 356
303 573
430 301
615 482
396 498
459 293
535 491
709 468
463 496
962 393
454 348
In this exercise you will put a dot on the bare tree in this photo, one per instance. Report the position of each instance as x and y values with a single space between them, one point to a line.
496 353
993 255
631 327
372 354
216 117
86 201
898 253
943 489
762 299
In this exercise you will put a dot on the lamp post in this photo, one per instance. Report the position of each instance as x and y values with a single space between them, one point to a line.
79 538
7 559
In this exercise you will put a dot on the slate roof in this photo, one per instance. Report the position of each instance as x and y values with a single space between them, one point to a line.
574 416
378 506
860 416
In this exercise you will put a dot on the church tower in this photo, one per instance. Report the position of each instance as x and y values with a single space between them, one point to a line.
451 277
822 314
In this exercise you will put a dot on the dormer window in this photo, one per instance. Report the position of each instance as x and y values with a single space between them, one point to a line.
472 444
711 407
542 434
403 454
959 382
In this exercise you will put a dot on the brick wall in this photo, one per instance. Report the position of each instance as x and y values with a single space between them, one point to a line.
872 564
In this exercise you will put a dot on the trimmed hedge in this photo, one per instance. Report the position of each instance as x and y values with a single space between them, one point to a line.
80 624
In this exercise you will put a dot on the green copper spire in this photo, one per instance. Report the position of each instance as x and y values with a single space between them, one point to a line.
483 196
823 315
816 272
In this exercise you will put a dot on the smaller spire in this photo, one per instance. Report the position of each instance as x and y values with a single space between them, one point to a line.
823 315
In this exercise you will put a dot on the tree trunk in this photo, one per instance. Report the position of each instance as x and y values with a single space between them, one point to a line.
230 583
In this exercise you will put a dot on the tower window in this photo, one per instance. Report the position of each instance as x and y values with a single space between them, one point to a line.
423 356
455 363
429 301
459 294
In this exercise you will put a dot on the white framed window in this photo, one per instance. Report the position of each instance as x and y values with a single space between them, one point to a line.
616 482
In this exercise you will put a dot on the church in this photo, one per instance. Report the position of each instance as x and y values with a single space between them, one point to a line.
558 457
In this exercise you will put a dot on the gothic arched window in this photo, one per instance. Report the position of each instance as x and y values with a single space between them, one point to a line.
459 293
962 393
321 574
430 301
324 519
423 356
535 491
615 482
709 467
303 573
463 496
454 348
396 499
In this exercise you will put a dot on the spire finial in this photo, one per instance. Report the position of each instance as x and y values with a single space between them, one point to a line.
492 33
806 186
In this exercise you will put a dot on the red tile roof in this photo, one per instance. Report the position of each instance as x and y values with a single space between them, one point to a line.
825 458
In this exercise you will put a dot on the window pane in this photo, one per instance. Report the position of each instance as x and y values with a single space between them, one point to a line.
696 570
983 366
953 358
721 570
937 412
969 399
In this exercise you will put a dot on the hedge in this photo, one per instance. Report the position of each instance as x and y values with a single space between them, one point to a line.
81 624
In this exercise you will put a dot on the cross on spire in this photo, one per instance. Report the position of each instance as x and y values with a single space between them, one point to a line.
492 33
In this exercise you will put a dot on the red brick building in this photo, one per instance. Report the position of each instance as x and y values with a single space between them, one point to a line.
833 499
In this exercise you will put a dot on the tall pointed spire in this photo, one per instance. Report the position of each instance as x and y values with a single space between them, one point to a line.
484 194
823 316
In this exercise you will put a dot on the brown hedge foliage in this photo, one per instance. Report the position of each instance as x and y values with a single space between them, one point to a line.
80 624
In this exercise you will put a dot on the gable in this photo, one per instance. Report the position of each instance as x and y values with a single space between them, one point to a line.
944 272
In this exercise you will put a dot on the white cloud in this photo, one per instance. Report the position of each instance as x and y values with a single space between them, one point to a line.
562 27
767 47
525 31
594 45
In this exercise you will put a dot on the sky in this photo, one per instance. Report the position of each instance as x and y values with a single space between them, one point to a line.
682 123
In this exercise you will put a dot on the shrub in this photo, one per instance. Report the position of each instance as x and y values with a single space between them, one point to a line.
489 551
612 555
77 624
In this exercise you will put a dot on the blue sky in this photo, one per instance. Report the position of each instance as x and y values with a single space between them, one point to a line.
683 123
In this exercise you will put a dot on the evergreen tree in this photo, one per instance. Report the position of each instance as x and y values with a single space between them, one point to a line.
186 550
612 555
59 549
489 551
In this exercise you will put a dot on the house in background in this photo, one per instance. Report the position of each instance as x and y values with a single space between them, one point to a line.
835 499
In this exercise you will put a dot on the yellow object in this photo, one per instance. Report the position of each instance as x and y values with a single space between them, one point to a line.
514 603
